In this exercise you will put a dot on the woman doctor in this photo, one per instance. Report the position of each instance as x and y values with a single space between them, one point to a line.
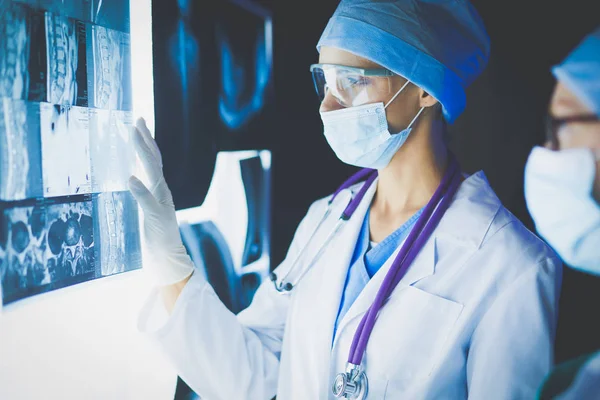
413 282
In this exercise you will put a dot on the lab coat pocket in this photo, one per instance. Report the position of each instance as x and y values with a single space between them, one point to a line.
410 334
377 387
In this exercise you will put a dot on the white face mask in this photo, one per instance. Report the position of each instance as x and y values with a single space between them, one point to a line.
359 136
559 194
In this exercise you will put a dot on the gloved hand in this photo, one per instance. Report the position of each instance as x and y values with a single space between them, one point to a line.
167 259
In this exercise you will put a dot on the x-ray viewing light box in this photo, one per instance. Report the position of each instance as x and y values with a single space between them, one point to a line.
79 341
96 121
67 102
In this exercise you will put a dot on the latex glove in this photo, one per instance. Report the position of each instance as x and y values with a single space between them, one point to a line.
167 260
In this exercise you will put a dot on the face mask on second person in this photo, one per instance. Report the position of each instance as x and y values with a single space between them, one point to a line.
559 189
561 180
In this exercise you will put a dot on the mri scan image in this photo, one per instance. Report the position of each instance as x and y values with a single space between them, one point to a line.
65 150
77 9
117 231
113 14
109 69
20 157
46 246
52 243
66 215
66 50
22 52
112 155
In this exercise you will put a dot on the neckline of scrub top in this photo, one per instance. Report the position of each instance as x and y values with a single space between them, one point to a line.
377 255
359 273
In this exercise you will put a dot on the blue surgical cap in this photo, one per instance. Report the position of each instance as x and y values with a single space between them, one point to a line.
439 45
580 71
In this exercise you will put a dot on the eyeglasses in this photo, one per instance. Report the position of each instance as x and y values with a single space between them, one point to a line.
553 125
351 86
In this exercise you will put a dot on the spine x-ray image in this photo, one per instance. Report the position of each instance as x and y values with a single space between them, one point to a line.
118 243
20 157
109 68
65 150
66 47
22 52
76 9
112 14
65 153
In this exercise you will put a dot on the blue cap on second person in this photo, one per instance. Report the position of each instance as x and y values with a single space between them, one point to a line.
439 45
580 71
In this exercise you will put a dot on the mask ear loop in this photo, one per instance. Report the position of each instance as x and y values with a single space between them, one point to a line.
396 95
394 98
415 118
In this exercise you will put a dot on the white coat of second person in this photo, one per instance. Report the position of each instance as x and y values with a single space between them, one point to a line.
474 317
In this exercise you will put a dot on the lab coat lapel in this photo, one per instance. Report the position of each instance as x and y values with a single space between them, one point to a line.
336 261
422 266
452 235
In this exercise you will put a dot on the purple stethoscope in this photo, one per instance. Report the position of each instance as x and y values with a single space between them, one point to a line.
353 383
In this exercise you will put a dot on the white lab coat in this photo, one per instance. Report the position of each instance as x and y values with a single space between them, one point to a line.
473 317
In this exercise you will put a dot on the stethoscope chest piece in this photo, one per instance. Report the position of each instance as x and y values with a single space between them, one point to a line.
351 385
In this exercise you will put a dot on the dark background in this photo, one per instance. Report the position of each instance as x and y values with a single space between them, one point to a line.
503 120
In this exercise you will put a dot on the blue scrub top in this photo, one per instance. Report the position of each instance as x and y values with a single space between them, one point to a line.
367 260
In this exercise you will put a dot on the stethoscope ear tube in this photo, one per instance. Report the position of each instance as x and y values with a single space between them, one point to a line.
354 179
353 205
285 287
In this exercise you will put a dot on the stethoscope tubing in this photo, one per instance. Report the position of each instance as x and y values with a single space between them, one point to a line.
431 216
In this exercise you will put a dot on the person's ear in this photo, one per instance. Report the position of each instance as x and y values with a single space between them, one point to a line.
426 100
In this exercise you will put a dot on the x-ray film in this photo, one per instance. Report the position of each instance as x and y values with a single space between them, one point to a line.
45 246
52 243
66 215
66 47
65 150
244 39
112 156
76 9
22 52
109 69
20 157
117 233
113 14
